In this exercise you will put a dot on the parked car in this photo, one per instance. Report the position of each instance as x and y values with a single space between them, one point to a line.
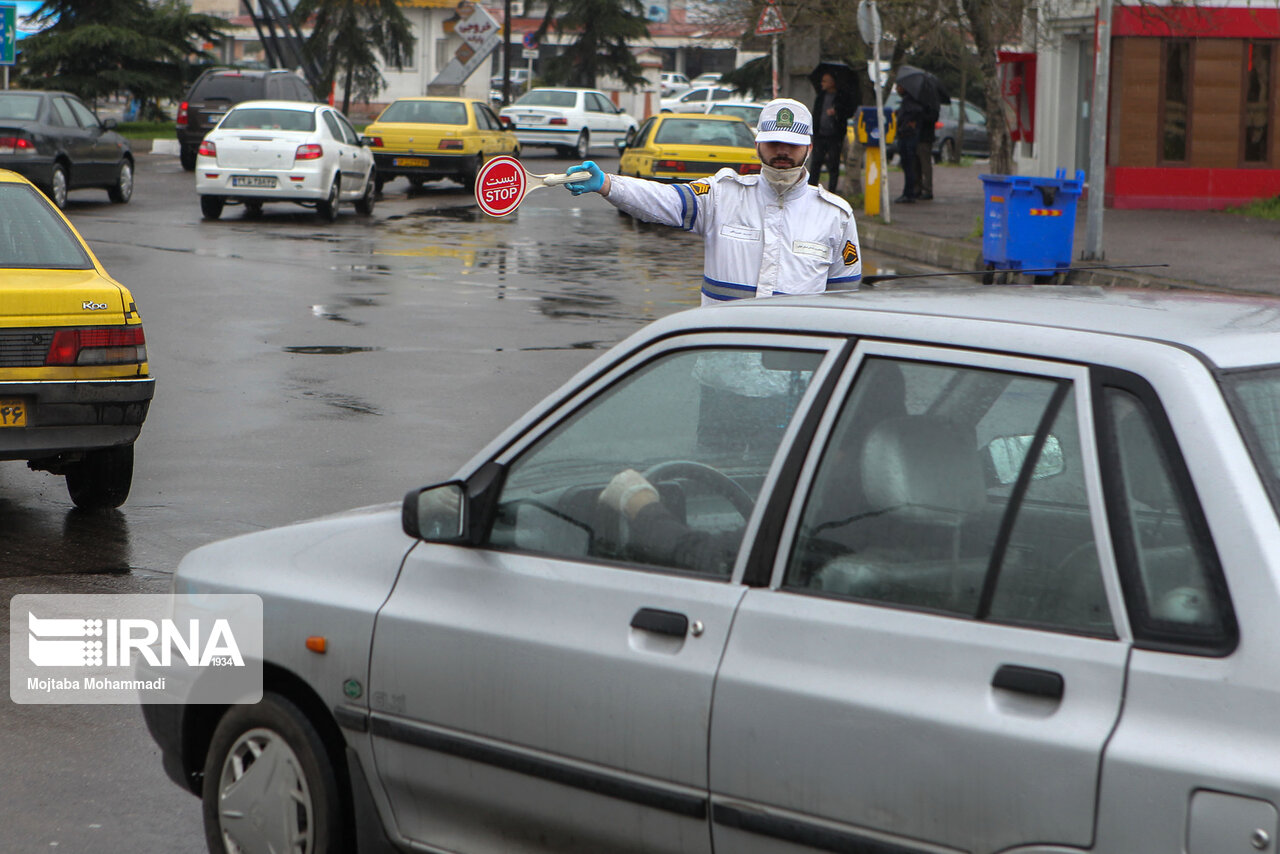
519 79
426 139
75 384
1012 554
284 151
748 111
676 147
56 142
977 142
219 89
570 120
709 78
673 83
697 100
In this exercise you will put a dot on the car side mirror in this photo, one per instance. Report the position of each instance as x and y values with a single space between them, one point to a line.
436 514
1007 453
622 145
366 141
109 124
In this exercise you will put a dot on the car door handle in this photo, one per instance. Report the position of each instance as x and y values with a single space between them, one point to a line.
661 622
1029 680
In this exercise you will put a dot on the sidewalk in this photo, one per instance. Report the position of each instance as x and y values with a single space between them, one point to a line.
1204 249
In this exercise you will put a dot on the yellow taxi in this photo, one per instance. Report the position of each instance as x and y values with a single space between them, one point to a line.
426 139
677 147
74 381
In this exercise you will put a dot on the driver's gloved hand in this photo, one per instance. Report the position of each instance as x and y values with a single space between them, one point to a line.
628 492
592 185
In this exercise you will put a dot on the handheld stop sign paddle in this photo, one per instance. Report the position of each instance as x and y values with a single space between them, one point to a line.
503 183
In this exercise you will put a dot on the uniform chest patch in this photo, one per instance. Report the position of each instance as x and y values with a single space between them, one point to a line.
741 232
813 250
849 253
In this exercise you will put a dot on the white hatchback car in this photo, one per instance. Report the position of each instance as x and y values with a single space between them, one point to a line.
697 100
914 571
284 151
573 121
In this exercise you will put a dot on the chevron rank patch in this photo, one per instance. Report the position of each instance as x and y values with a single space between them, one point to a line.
699 188
849 253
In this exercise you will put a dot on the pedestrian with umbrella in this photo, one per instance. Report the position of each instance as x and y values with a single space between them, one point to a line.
833 105
933 97
913 87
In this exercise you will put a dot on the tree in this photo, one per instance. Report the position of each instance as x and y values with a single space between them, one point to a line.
94 48
990 24
346 37
606 29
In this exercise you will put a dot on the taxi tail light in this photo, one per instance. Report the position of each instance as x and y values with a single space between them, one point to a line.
208 149
310 151
451 143
671 165
749 169
112 345
559 120
181 119
18 142
375 141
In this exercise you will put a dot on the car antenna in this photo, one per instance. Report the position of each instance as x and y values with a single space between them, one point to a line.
872 281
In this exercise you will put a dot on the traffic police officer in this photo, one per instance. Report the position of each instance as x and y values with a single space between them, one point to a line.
766 234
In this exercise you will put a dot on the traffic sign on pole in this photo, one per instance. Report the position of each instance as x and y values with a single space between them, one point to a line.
8 33
771 21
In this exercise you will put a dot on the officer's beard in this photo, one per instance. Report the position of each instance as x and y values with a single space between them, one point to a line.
782 180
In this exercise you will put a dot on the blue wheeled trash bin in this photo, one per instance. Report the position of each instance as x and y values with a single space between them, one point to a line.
1028 224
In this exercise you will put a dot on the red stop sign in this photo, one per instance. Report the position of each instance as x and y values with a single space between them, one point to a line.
500 186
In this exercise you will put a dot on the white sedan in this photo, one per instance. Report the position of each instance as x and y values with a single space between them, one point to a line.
284 151
698 100
572 121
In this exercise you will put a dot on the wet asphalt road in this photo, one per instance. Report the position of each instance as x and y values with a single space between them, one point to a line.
302 368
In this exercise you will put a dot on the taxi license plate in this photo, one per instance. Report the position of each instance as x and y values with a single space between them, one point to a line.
413 161
267 181
13 412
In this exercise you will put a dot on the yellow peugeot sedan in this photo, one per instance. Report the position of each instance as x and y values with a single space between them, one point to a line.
74 381
426 139
676 147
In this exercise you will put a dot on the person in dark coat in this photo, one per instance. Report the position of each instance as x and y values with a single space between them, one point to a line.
832 109
928 135
911 120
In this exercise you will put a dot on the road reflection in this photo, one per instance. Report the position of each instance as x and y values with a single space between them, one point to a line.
36 542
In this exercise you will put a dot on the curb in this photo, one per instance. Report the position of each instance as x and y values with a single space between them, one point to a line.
953 254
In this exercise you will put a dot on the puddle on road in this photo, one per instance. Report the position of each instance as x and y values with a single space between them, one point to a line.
329 350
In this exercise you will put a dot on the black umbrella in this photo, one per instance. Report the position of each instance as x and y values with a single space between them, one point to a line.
914 81
846 80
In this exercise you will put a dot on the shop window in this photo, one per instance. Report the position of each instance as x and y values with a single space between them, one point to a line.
1176 83
1257 101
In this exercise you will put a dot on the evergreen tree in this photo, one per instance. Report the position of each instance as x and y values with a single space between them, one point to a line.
347 35
606 29
94 48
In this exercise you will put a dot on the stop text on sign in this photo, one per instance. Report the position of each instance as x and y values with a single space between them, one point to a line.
500 186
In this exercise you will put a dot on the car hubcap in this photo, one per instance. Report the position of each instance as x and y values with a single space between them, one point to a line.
126 181
264 803
59 188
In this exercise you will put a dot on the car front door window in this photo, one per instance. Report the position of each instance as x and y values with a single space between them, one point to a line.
702 425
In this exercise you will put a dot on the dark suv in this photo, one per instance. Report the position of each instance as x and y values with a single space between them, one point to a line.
219 89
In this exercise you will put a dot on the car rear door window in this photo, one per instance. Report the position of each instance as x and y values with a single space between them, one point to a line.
702 425
957 490
62 115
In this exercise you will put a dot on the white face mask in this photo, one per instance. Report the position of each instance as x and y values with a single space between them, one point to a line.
782 180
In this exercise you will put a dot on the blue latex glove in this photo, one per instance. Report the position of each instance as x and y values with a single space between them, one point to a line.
592 185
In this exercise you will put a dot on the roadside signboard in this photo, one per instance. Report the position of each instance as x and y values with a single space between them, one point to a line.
8 33
480 34
503 183
771 21
529 53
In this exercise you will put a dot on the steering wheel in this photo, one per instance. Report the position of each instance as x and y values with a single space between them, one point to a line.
714 479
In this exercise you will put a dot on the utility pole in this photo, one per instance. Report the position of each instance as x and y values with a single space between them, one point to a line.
1098 134
506 52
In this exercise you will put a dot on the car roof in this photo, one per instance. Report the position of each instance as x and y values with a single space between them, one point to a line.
703 116
451 98
1227 330
300 106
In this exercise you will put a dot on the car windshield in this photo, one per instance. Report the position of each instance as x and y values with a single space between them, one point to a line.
227 87
425 113
704 132
32 235
751 115
1255 397
548 98
263 118
19 107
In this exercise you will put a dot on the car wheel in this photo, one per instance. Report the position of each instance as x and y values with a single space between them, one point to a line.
947 151
122 190
252 210
211 206
58 186
364 204
583 146
328 209
379 181
415 185
473 172
102 479
269 784
187 154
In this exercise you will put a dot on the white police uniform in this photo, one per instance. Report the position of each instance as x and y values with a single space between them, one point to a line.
757 243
